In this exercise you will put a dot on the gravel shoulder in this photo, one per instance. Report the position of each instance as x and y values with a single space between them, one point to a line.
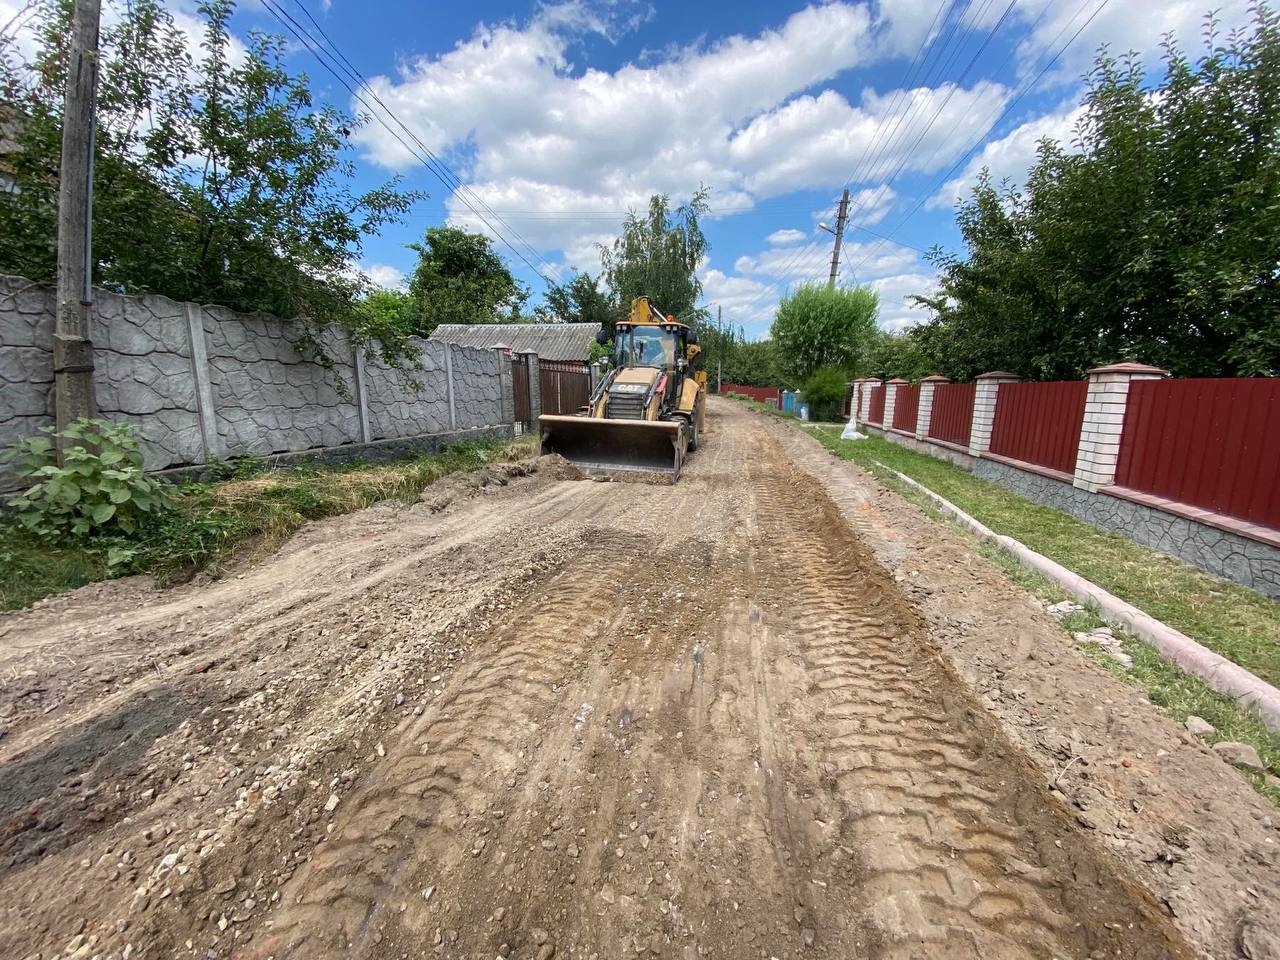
770 711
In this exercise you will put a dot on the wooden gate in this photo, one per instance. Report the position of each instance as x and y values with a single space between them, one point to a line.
566 386
520 391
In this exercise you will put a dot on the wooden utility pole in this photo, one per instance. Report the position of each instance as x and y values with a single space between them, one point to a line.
72 350
842 215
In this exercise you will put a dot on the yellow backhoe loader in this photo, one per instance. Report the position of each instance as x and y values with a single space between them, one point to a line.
647 411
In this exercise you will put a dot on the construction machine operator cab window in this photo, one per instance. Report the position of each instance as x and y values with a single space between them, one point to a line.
646 347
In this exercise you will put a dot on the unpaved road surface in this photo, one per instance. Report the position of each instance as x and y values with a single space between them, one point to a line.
770 712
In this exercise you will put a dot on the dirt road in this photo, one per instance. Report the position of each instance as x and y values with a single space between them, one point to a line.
537 716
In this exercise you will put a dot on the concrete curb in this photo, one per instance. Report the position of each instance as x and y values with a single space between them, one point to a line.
1227 678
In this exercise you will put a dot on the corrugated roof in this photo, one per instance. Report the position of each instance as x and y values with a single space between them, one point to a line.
550 341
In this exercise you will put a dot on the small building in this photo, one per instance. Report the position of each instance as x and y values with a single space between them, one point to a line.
563 349
556 343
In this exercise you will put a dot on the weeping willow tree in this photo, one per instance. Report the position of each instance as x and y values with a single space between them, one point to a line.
657 256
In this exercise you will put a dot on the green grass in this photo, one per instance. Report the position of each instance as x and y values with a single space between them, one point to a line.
1124 568
1237 622
248 515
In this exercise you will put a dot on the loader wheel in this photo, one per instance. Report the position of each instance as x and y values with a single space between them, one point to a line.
693 431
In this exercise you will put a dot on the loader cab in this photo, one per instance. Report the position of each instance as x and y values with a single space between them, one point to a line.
661 346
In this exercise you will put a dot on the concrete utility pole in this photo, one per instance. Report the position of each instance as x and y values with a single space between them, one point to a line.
720 327
842 215
72 351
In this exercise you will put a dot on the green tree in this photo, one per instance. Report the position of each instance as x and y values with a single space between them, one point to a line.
820 326
216 181
578 301
897 355
824 392
390 309
1157 240
657 257
459 279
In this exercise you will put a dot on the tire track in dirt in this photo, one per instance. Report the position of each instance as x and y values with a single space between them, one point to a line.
401 832
951 865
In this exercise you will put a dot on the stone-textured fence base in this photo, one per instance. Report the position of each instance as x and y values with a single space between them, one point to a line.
204 384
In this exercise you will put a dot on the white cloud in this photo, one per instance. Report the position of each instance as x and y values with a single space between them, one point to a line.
813 140
529 131
746 302
795 264
896 313
384 275
781 238
1122 26
1012 156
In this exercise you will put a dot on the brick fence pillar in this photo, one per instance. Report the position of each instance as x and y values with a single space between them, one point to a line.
925 411
1103 425
865 386
891 399
984 408
530 359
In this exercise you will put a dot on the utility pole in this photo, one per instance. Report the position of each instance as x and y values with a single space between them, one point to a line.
842 215
72 351
720 327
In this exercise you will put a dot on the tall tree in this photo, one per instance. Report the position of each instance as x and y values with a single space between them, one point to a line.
218 179
578 301
459 279
657 257
1157 240
819 326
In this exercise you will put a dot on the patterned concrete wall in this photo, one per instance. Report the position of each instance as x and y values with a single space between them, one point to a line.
395 406
143 369
1232 557
268 397
206 383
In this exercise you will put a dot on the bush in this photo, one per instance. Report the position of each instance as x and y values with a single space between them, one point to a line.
99 491
824 393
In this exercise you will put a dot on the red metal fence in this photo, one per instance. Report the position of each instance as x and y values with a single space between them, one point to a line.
876 413
760 394
1213 444
952 416
906 404
1040 423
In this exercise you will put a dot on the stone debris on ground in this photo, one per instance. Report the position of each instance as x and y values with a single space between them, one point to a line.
1108 641
472 727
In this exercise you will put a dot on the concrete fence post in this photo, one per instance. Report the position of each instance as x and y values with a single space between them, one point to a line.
530 359
891 399
986 391
362 393
924 413
505 384
448 385
1104 408
209 436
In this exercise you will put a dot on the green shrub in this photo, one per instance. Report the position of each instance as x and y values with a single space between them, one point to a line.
99 491
824 393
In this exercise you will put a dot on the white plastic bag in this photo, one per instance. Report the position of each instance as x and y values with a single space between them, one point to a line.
851 432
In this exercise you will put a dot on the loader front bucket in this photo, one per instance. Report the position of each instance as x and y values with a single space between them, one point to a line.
653 447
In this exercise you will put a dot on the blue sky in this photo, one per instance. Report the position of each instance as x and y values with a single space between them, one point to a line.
556 117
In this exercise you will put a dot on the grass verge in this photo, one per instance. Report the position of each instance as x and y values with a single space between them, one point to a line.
1168 687
249 514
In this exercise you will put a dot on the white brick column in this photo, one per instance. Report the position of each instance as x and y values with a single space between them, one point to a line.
891 399
984 408
925 410
1104 409
865 386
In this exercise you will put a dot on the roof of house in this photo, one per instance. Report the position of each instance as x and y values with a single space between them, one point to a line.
550 341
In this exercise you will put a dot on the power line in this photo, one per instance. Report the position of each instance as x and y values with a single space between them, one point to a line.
1007 110
423 154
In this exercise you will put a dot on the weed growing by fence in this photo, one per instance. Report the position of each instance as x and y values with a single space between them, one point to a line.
245 516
